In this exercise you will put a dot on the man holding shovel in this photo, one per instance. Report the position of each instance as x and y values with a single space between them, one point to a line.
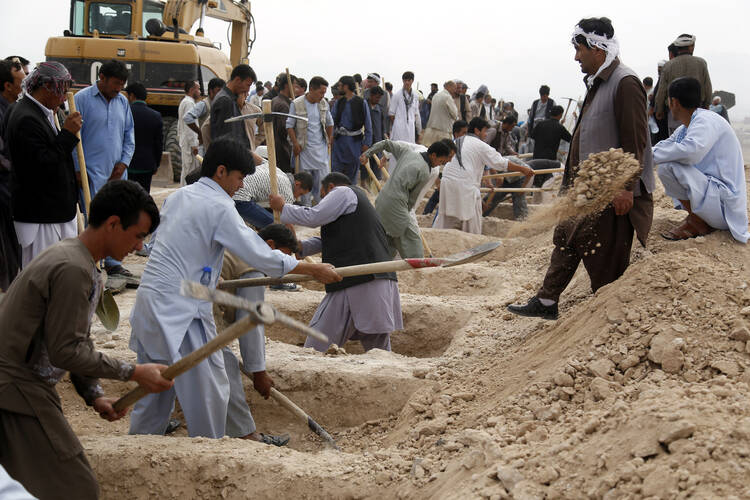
45 319
200 222
365 308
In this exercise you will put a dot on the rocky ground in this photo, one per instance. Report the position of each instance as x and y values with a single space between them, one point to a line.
637 391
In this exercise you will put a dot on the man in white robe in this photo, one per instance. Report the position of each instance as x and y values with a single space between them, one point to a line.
701 167
404 112
198 223
185 134
460 198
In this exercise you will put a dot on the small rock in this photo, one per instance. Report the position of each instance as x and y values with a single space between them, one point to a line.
548 474
672 357
563 379
420 372
628 361
726 366
745 311
672 431
109 345
601 368
680 275
431 427
659 483
741 332
645 445
508 476
591 425
601 389
466 396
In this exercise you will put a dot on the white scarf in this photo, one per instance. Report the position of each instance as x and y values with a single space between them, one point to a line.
611 46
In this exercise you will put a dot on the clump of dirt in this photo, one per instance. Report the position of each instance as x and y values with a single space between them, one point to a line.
598 180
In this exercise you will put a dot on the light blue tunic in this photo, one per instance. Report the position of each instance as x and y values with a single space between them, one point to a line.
703 163
107 134
315 154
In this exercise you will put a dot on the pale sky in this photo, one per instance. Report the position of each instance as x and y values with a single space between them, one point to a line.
512 47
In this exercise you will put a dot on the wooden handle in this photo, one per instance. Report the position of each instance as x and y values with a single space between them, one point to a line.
289 405
372 175
81 159
223 339
388 266
519 174
383 170
514 190
271 147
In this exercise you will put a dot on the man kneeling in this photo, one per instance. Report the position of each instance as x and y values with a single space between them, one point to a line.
701 167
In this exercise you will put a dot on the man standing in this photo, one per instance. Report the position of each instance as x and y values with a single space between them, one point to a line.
148 137
43 182
718 107
107 134
443 114
547 135
374 99
460 198
540 108
613 116
196 117
199 222
226 105
400 194
462 102
281 104
311 138
404 112
46 317
351 115
365 308
187 136
684 63
701 168
373 80
11 76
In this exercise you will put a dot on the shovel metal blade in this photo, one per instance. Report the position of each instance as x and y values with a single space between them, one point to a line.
252 116
471 254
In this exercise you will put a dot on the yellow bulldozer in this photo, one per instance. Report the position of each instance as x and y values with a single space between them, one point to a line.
152 38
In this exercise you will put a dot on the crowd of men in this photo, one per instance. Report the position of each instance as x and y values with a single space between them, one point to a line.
214 226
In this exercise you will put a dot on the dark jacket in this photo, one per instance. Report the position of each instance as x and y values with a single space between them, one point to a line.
532 112
547 136
225 106
43 181
148 139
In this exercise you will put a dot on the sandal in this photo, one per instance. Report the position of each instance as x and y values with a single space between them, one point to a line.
691 227
280 440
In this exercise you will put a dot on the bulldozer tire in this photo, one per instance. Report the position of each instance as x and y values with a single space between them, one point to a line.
172 146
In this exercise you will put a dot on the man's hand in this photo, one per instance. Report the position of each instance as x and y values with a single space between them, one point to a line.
321 272
241 100
365 148
262 383
526 171
660 115
194 150
623 202
149 377
276 202
118 171
363 159
297 148
73 122
104 407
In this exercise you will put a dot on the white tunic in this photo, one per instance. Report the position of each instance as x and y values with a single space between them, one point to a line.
705 161
185 134
197 223
459 189
405 119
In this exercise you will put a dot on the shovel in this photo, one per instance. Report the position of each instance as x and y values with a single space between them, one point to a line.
388 266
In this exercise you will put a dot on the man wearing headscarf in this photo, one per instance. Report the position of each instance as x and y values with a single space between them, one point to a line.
43 181
613 116
683 64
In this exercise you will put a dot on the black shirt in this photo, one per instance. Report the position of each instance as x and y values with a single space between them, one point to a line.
547 135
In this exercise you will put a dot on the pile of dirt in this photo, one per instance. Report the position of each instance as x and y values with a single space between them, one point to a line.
639 391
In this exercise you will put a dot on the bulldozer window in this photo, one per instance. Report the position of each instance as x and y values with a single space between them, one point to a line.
77 17
152 9
110 18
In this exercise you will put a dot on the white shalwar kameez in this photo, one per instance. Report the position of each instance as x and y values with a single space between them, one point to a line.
460 198
406 118
187 137
703 163
198 222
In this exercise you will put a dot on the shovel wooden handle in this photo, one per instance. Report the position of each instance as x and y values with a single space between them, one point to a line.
271 147
223 339
514 190
388 266
383 170
519 174
81 159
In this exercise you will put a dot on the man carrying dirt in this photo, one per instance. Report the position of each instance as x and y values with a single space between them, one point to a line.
365 308
613 116
46 317
200 221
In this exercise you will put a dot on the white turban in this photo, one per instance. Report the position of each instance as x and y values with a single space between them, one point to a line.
684 41
374 77
611 46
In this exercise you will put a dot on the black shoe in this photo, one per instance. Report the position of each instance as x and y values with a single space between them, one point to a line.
285 287
131 280
172 426
534 309
281 440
